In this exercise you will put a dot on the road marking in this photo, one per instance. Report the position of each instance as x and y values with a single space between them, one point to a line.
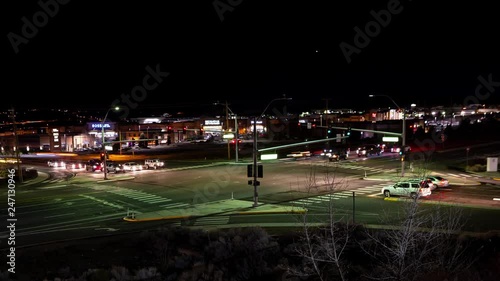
103 202
211 221
50 187
174 205
496 199
54 216
132 194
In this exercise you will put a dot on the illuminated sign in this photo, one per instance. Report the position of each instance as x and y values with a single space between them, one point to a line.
258 122
55 134
269 156
390 139
212 122
100 125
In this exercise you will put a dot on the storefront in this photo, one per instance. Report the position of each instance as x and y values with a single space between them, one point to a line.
212 129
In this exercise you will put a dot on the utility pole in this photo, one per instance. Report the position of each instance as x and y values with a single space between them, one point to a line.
227 130
16 137
326 111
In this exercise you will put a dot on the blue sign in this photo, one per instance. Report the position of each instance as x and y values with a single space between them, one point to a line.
100 125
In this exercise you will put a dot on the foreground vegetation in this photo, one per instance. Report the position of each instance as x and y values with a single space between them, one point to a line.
254 254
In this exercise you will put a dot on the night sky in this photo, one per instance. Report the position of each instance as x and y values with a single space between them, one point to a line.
88 53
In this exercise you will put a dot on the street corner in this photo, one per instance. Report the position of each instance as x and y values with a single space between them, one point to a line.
267 210
132 218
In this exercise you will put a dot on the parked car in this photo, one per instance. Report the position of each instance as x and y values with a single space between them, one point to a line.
132 166
369 150
153 164
113 167
94 165
438 181
410 188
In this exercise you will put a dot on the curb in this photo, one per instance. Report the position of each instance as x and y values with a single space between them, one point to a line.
272 212
373 179
156 218
36 180
236 213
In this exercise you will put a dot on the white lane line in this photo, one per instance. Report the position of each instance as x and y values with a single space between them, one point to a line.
496 199
54 216
174 205
51 187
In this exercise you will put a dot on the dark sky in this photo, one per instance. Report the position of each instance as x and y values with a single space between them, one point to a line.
89 53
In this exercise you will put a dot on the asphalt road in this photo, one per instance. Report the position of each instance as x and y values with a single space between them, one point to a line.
76 204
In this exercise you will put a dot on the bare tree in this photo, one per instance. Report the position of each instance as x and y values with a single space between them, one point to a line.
420 240
323 241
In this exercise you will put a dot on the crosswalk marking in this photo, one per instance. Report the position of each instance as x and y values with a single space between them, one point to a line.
217 220
132 194
174 205
342 165
372 189
460 175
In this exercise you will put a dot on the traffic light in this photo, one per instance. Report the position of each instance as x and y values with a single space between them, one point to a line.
169 129
184 130
102 156
348 133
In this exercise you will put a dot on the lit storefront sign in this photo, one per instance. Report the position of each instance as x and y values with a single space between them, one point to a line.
55 135
100 125
212 122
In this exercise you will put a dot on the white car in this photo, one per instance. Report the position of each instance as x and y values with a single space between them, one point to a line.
153 164
439 181
132 166
411 188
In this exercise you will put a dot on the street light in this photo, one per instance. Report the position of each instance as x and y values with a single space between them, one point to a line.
254 171
105 167
235 128
403 131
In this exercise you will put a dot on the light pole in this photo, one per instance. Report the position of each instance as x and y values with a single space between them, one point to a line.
105 167
235 128
255 151
403 131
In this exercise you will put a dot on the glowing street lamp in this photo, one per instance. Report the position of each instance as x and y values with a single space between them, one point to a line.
403 131
255 151
103 146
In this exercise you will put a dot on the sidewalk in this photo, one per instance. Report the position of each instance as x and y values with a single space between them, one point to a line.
222 207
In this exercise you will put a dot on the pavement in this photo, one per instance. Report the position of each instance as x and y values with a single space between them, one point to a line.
242 207
221 207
